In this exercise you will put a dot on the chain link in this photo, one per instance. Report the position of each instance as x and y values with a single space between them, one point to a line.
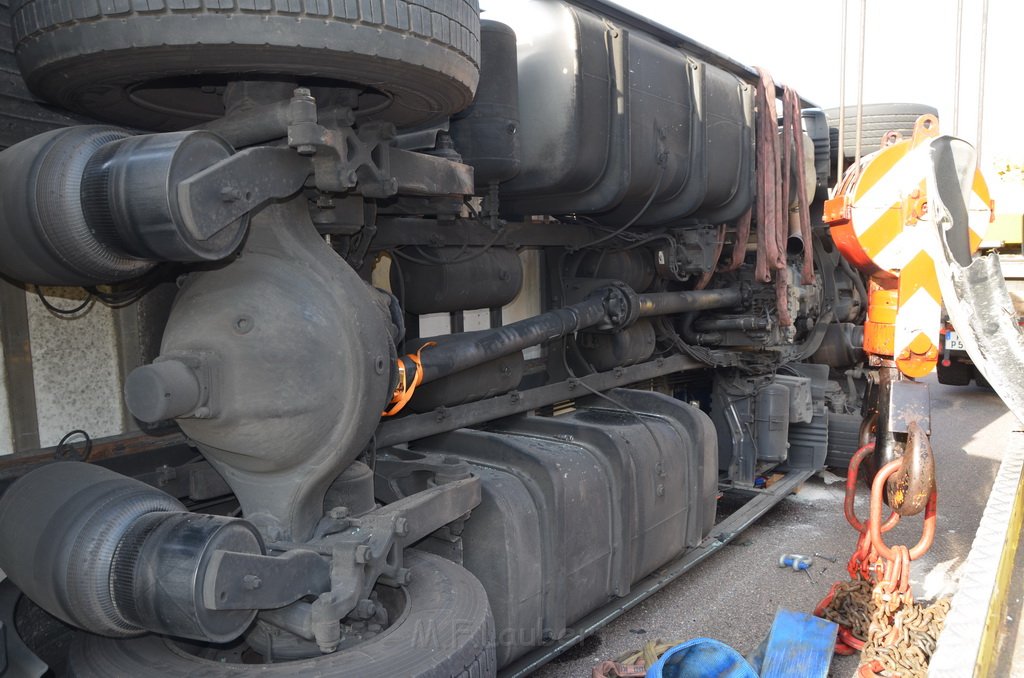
903 634
900 634
851 607
876 609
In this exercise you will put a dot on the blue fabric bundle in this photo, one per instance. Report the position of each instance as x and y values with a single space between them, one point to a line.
701 658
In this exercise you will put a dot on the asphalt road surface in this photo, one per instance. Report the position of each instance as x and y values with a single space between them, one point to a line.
733 595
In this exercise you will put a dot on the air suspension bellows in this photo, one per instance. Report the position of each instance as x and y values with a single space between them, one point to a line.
486 133
159 577
117 557
131 198
92 204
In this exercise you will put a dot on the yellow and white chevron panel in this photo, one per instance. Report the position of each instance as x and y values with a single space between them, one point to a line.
875 218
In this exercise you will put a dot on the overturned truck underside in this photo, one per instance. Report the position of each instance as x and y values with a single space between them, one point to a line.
471 324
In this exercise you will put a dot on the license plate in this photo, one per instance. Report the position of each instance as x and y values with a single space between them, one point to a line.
953 341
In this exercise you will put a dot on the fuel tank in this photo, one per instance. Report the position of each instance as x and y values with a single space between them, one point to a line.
620 126
579 507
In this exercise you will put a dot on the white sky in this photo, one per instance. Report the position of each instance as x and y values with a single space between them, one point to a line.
909 57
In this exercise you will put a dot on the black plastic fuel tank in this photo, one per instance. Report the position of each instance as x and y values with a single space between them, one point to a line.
579 507
620 126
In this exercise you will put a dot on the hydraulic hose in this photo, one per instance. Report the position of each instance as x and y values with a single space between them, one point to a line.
694 338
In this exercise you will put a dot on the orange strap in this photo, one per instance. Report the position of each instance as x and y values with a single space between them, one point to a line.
405 390
608 669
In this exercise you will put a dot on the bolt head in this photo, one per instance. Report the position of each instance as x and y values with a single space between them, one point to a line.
366 608
401 527
362 554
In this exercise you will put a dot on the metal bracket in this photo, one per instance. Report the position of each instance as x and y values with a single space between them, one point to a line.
344 158
421 174
367 161
400 473
909 404
220 195
371 550
341 159
246 581
367 552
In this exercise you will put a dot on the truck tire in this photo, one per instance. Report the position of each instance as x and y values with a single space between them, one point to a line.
162 64
980 379
445 631
22 115
878 119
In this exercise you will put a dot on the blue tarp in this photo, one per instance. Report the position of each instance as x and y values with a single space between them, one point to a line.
701 658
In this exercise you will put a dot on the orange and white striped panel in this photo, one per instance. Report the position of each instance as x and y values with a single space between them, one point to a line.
883 228
887 206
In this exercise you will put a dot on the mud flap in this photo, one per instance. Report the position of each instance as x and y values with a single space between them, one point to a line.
975 294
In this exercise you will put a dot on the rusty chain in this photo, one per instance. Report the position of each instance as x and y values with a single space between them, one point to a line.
851 607
900 634
876 610
903 634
